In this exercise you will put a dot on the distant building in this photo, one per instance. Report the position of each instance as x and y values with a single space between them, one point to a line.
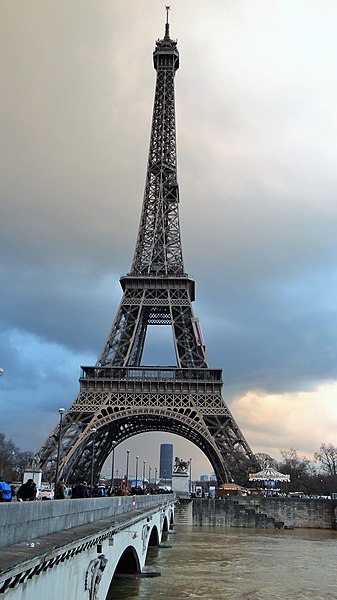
213 477
166 461
203 477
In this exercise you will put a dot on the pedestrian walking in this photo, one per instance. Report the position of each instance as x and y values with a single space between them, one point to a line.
60 490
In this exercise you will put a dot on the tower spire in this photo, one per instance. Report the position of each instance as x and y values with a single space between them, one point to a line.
158 247
167 25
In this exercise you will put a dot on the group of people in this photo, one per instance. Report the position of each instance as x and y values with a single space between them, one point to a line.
100 490
83 490
26 491
80 490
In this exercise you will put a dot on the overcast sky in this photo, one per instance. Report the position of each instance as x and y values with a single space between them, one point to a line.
256 97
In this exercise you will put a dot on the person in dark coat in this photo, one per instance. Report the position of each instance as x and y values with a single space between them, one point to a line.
60 490
80 490
27 491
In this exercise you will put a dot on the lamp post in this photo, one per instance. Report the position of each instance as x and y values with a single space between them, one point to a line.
155 478
93 431
190 476
127 468
113 465
137 457
143 473
61 411
149 475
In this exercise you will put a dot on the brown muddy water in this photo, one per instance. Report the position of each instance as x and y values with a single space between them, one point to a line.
220 563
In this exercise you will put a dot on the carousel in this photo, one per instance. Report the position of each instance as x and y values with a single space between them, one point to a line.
268 481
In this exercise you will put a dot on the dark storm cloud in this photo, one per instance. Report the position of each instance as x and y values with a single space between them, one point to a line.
256 130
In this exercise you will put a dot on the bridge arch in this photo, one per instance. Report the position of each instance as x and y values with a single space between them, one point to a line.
165 528
128 562
168 520
154 537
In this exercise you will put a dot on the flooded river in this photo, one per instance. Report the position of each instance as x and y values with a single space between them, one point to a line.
219 563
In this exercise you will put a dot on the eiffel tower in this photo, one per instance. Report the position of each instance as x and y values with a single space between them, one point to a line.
119 397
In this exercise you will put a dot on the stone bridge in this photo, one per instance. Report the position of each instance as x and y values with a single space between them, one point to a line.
73 548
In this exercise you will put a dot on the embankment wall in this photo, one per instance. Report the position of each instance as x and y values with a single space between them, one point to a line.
265 512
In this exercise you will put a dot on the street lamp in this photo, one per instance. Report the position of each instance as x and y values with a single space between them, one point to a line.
149 475
143 473
61 411
93 431
113 465
155 477
127 468
137 457
190 476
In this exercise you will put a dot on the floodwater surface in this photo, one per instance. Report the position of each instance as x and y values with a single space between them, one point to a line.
220 563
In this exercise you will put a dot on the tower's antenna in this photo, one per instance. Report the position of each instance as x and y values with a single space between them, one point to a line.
167 26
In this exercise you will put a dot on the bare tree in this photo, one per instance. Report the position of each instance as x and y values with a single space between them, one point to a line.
301 470
327 457
12 460
265 460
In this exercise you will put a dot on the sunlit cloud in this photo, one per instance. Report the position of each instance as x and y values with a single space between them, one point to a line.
302 420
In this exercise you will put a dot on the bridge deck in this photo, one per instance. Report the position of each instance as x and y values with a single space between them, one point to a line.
24 521
65 560
46 546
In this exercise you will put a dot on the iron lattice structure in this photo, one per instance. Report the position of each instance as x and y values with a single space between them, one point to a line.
119 397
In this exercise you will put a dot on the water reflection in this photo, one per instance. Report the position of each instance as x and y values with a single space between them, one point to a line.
218 563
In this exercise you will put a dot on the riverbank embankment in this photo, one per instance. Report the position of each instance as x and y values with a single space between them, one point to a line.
264 512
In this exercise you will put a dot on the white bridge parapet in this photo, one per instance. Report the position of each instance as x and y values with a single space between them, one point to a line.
73 548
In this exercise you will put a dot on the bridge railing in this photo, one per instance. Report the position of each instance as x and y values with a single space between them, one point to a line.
25 521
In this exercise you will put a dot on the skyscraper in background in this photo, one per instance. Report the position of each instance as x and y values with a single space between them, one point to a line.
166 461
